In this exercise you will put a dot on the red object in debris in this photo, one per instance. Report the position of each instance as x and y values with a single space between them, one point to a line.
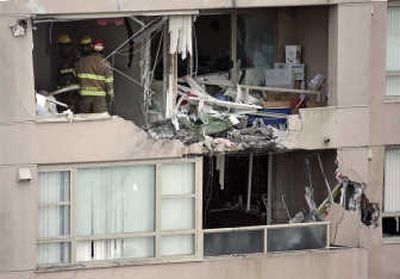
98 45
191 94
298 103
106 21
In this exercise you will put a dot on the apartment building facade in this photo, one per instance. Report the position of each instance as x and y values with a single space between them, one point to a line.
93 196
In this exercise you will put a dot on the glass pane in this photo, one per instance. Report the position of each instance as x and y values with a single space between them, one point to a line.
54 253
177 179
297 238
140 247
393 39
53 187
393 85
232 243
256 45
53 221
177 245
392 180
177 214
115 200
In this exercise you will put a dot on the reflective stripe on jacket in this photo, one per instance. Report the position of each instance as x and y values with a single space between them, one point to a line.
95 76
68 71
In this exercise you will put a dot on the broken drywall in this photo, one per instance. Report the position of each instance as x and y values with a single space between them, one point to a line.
351 213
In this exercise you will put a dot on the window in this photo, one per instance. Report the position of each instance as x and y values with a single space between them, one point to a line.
53 217
120 212
391 215
393 52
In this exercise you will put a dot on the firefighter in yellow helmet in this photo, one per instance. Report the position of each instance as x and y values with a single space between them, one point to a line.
66 76
95 77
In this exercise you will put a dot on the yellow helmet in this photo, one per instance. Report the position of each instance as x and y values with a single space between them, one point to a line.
86 40
64 38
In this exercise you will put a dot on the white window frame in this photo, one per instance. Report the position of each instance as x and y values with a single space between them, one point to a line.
198 232
386 214
157 233
388 97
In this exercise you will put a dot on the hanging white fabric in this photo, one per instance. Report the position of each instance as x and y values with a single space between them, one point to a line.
180 30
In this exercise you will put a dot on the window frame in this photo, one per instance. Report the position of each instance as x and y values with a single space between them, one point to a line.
396 73
73 238
389 214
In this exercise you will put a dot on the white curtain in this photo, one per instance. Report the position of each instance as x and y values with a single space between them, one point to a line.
53 253
53 217
177 179
392 180
130 248
393 50
177 214
181 37
114 200
177 245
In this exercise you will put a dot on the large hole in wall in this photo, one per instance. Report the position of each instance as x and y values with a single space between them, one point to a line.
128 63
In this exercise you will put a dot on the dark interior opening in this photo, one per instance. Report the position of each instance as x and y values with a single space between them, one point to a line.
127 62
227 205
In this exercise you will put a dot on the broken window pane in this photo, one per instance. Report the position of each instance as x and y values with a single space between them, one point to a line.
296 238
391 226
256 45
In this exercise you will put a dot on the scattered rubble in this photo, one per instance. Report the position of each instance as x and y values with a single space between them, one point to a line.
221 125
347 194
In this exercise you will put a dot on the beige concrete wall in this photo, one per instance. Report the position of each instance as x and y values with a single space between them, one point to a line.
16 74
353 54
343 126
348 263
17 221
110 139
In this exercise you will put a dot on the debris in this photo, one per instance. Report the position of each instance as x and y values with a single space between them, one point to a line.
353 199
47 106
180 30
221 125
19 29
321 167
317 82
220 167
286 208
309 194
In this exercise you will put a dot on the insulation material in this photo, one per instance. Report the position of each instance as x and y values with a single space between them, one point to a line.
180 30
220 166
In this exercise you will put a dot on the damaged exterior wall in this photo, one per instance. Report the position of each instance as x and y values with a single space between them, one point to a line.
359 124
109 6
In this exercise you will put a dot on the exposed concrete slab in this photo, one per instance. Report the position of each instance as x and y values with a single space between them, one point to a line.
110 6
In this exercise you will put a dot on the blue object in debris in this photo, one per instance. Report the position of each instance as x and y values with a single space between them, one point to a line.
271 120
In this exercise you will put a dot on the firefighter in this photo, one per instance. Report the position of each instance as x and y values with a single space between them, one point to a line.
66 76
95 78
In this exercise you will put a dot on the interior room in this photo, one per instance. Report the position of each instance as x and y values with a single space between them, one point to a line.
131 60
273 193
252 47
